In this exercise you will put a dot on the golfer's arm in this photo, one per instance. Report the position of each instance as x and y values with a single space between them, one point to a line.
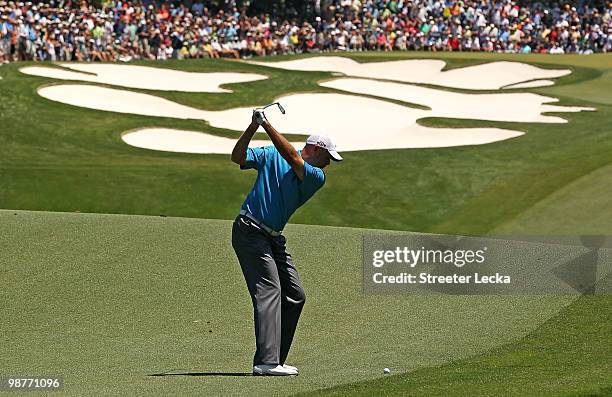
286 150
239 153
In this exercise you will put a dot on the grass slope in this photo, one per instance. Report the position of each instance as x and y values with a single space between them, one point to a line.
567 356
61 158
109 301
587 199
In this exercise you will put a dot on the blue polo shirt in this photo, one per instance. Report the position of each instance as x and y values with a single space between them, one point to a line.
278 192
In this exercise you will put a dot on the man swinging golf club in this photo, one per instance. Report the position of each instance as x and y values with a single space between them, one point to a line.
286 179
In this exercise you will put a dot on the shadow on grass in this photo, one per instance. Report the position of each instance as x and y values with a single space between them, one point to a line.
206 374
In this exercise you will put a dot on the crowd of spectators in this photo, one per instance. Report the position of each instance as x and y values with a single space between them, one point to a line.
133 29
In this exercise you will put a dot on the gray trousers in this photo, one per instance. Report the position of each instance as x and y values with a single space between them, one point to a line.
275 288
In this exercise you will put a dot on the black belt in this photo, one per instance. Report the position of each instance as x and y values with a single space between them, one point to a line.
259 223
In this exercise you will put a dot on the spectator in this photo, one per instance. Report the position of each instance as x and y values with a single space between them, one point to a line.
124 30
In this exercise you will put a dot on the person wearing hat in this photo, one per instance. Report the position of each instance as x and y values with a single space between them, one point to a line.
286 179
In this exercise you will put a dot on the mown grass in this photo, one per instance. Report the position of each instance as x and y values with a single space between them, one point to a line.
98 297
141 305
566 356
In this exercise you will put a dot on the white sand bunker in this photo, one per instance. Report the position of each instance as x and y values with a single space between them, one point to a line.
519 107
180 141
488 76
531 84
329 114
143 77
170 140
113 100
353 121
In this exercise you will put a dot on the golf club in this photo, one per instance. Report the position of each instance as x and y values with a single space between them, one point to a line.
280 107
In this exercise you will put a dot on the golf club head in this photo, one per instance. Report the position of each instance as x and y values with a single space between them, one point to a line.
280 107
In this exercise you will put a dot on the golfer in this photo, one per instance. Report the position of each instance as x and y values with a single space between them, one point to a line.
286 179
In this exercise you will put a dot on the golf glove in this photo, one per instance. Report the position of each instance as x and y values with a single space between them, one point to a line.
260 117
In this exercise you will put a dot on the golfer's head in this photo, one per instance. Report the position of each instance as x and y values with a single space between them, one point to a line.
319 151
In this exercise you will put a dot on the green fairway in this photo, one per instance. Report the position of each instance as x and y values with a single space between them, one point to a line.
108 301
567 356
584 205
156 305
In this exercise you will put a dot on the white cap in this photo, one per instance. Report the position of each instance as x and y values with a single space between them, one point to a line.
326 143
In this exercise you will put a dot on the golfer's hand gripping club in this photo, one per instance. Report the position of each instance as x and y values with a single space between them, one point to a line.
259 116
